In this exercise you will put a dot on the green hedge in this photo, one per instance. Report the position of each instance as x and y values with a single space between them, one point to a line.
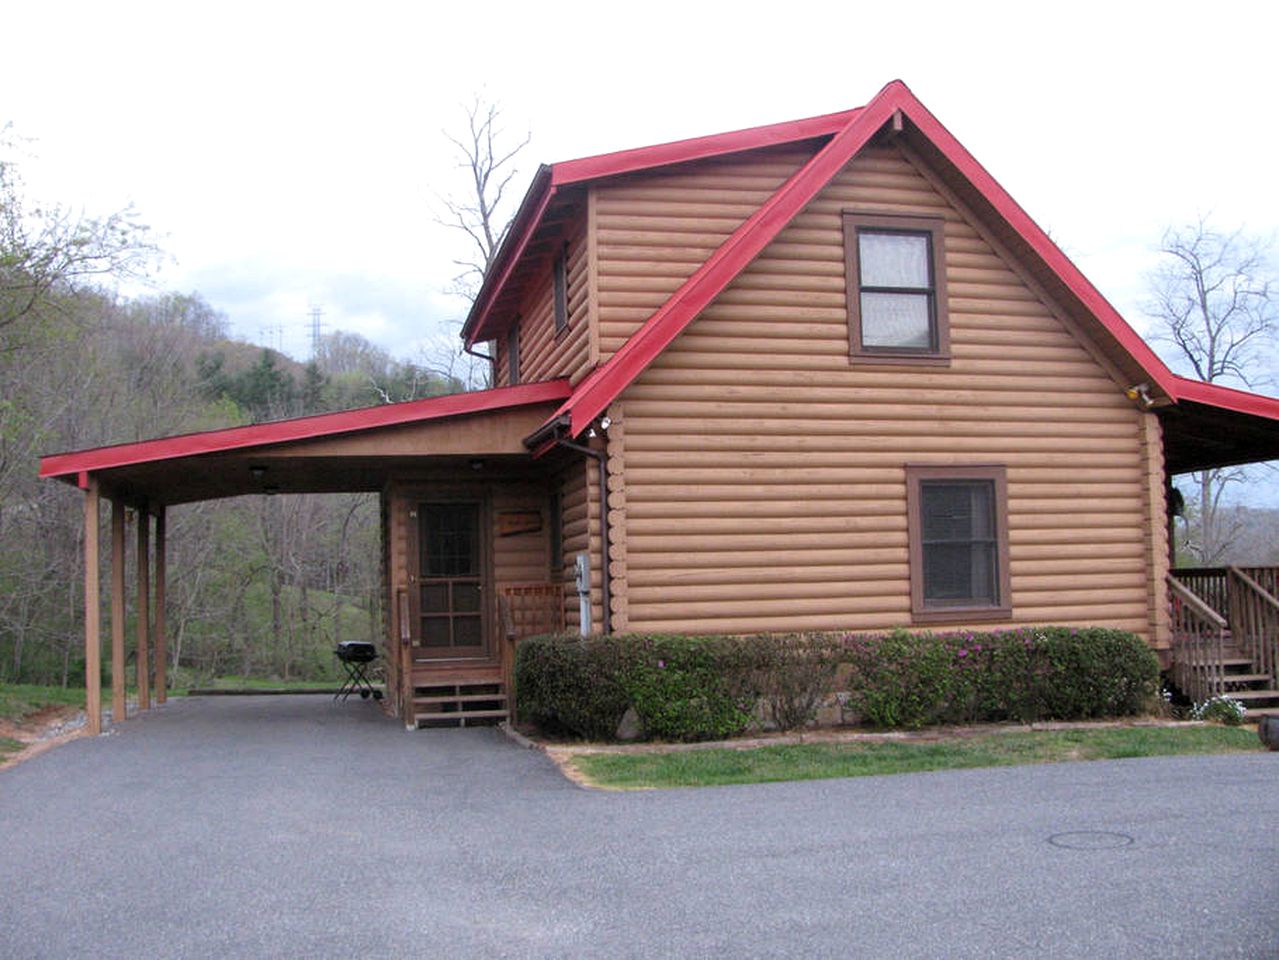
682 687
711 687
1026 674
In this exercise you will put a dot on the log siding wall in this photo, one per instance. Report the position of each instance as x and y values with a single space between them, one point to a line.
544 353
652 230
765 474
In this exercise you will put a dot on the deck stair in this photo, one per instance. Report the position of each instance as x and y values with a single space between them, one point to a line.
459 701
1225 635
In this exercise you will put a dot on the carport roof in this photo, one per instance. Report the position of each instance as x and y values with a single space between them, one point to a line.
323 453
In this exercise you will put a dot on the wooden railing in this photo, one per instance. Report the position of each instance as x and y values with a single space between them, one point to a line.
1209 584
1198 641
526 611
1254 617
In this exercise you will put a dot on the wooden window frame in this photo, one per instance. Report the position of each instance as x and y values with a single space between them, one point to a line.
559 290
939 315
513 354
925 612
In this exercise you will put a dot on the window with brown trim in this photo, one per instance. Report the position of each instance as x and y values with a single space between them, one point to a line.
957 519
894 267
513 354
560 283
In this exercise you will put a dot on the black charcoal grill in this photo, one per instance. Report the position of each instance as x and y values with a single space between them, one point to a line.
356 655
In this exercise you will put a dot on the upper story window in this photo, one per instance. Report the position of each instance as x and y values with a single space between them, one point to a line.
513 354
896 289
958 529
559 282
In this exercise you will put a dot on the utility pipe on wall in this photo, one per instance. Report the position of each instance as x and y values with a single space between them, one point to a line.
606 579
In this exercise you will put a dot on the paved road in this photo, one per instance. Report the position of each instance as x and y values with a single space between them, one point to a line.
295 827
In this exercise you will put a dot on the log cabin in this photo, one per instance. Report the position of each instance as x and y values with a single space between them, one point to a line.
820 375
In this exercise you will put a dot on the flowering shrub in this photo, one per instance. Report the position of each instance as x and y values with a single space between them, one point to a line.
1027 674
689 688
1222 709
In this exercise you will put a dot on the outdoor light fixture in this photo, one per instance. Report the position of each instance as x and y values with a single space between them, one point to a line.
257 471
1140 392
477 464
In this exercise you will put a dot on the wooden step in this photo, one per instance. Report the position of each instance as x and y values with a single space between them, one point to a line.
464 698
1253 695
1247 678
460 715
1223 662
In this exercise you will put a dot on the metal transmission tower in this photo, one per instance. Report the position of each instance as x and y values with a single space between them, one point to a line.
316 327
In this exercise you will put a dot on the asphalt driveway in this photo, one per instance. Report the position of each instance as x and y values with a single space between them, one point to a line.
296 827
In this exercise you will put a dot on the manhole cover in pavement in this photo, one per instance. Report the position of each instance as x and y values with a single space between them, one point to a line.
1090 840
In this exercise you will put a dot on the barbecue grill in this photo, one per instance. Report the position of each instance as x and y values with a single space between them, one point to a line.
356 655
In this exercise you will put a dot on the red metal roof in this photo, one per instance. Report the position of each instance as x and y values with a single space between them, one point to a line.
1226 398
593 395
70 465
550 179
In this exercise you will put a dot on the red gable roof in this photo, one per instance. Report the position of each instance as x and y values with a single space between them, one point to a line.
549 180
70 465
593 395
848 133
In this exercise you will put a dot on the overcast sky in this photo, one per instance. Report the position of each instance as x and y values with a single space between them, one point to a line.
288 155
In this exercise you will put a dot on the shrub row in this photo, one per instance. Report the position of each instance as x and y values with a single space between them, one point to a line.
710 687
682 687
1027 674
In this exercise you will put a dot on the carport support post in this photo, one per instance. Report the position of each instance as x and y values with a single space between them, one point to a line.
92 614
143 608
119 676
161 641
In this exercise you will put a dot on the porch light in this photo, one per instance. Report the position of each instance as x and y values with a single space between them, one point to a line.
477 464
257 471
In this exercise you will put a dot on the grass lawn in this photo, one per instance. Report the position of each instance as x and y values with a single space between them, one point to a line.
261 683
815 761
22 700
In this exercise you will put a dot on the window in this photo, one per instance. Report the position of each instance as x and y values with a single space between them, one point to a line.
958 527
896 293
513 354
560 283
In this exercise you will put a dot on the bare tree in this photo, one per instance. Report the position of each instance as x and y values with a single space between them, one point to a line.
1217 302
487 156
47 248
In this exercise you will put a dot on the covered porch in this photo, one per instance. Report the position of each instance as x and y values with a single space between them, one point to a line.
471 524
1224 620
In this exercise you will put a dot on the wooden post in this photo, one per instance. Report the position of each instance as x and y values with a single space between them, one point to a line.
161 640
92 613
143 609
119 677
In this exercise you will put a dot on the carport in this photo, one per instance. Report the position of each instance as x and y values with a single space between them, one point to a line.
452 470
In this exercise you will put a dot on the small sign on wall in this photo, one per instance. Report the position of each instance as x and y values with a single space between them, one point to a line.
512 522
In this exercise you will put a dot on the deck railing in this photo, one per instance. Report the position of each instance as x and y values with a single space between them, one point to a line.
1209 584
1198 643
1254 617
527 610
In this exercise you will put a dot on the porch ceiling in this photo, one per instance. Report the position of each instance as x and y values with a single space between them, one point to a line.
1199 436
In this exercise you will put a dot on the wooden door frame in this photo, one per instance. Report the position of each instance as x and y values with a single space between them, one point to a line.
480 495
